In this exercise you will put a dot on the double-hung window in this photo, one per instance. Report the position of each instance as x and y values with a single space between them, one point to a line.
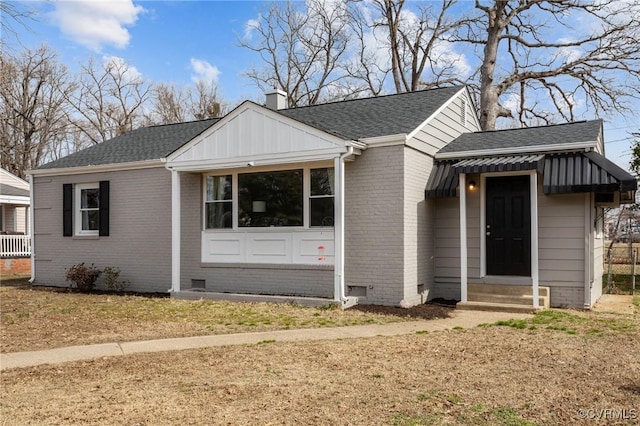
321 197
88 209
218 202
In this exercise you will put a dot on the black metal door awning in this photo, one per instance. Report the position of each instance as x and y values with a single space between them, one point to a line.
575 172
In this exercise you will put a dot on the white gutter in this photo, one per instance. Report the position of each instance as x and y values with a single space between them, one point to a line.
31 223
339 287
517 150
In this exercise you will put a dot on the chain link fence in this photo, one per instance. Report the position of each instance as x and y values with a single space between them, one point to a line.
621 269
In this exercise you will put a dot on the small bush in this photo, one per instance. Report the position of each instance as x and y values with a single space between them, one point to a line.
84 277
112 279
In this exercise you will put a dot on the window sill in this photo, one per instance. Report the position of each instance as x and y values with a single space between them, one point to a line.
86 237
269 229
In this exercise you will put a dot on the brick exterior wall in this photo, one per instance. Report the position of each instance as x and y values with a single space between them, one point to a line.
14 266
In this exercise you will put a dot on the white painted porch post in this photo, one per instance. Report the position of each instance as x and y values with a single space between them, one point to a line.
175 231
463 238
534 238
338 266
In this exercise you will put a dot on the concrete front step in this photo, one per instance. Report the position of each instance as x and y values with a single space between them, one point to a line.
497 307
526 300
502 289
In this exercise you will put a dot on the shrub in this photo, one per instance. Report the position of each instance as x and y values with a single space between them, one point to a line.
112 279
84 277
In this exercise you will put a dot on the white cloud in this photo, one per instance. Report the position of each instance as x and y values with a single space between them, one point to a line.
118 66
250 26
204 71
96 23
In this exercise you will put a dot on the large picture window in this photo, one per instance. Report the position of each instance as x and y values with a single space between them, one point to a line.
321 198
218 202
270 199
281 198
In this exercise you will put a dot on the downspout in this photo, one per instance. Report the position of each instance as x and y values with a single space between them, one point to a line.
31 233
339 287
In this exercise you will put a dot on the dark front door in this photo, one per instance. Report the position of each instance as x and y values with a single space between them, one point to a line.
508 226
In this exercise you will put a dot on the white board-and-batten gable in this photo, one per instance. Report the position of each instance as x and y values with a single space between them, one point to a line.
253 134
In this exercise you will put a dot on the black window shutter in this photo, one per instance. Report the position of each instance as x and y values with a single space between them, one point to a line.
67 210
104 208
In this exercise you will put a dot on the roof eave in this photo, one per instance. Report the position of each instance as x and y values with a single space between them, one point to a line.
577 146
98 168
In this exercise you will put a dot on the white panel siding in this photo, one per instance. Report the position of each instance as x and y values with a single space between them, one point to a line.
140 229
267 246
445 126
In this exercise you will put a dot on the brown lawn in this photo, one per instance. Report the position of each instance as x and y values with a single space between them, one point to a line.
559 368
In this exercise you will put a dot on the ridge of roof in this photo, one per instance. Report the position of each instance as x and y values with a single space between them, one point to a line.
374 116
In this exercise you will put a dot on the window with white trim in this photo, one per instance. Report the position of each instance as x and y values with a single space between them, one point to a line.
321 197
87 209
218 210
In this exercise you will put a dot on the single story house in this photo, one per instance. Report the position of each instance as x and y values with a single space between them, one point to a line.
328 203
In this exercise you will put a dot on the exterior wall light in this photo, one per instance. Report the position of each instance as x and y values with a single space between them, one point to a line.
472 185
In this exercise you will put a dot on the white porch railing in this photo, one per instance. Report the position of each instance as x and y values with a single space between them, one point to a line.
15 245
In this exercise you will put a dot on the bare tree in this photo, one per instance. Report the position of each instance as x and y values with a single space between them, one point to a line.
301 49
415 44
170 104
551 55
33 111
109 100
13 13
204 102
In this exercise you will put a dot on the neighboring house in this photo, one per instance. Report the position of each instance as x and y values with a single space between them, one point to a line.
15 238
14 216
317 203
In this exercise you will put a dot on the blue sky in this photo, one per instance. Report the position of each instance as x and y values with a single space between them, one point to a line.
179 41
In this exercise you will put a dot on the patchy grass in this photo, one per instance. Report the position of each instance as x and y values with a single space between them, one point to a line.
522 373
575 322
33 318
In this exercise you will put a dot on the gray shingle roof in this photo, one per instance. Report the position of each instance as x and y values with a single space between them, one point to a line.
352 119
13 191
582 131
380 116
147 143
